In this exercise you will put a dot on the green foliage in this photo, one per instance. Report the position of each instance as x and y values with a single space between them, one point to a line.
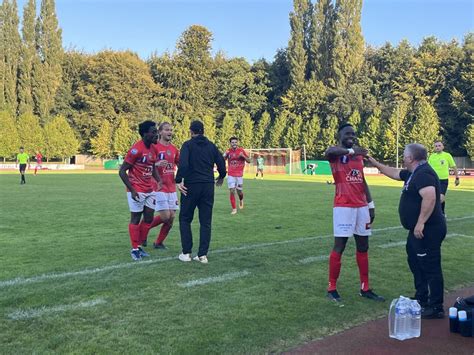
28 56
355 120
210 129
9 140
395 126
30 133
425 128
244 129
101 144
47 70
292 136
123 137
261 131
369 136
328 135
226 131
469 143
275 139
60 139
311 130
181 131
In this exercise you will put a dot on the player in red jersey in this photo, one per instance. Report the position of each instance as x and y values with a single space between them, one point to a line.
236 157
353 212
140 165
166 199
39 161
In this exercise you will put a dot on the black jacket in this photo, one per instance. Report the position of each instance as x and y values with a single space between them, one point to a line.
196 161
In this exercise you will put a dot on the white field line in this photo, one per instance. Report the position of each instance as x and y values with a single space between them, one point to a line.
391 245
22 281
214 279
38 312
313 259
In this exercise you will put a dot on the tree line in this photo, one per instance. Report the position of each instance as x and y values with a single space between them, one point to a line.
65 101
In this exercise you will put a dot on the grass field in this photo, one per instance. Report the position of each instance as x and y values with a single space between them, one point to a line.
68 285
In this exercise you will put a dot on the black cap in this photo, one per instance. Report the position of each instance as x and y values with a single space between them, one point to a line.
197 127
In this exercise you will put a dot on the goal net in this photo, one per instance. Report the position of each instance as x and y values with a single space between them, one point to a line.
276 160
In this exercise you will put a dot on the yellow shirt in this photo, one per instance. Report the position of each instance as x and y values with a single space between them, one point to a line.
441 162
22 158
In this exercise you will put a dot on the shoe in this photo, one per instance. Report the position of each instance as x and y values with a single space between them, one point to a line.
371 295
432 313
234 211
201 259
143 253
159 246
241 204
135 254
334 296
184 257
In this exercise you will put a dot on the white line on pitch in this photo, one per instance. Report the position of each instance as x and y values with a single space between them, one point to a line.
391 245
214 279
313 259
44 277
22 314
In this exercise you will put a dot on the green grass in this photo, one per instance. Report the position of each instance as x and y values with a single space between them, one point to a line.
60 223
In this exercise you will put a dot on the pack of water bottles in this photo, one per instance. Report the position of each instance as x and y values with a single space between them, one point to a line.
404 319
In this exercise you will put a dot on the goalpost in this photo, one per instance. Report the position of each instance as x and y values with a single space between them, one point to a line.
277 160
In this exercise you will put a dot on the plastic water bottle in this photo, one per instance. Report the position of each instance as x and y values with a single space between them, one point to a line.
401 319
391 319
453 320
415 319
463 324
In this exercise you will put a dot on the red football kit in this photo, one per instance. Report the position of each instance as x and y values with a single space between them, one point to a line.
348 173
236 164
143 161
39 158
171 154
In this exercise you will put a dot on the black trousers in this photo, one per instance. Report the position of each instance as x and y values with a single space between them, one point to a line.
424 260
200 195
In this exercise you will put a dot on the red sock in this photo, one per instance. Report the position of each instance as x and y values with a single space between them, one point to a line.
163 233
241 196
36 169
156 221
144 228
232 201
334 269
134 231
363 263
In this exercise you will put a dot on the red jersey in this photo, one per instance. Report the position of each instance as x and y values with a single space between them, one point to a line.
236 164
171 154
39 158
143 161
348 173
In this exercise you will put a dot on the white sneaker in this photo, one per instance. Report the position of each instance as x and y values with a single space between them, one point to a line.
202 259
184 257
234 211
241 204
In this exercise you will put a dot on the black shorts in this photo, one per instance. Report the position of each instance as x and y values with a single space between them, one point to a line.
22 168
443 186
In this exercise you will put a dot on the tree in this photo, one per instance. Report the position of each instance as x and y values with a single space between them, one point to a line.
369 136
469 143
30 133
61 142
10 54
244 128
328 135
348 42
123 137
9 140
226 131
47 71
181 131
101 144
292 136
355 120
425 128
395 125
300 19
28 56
260 135
277 129
209 126
311 129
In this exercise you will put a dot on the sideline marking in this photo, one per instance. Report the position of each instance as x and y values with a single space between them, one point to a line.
214 279
313 259
23 281
22 314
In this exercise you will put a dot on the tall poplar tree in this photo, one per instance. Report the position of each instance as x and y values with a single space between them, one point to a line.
261 131
11 53
30 133
101 144
47 71
9 140
28 56
300 20
425 128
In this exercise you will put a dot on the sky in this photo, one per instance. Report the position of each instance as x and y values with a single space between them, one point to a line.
243 28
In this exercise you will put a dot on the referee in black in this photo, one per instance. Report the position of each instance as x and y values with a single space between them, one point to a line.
195 180
420 213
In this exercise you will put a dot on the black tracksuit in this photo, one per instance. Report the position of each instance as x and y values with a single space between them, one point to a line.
424 255
196 166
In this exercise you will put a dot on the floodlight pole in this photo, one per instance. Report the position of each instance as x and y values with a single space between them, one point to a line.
398 123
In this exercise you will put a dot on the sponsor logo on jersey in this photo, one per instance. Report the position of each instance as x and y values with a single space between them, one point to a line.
344 159
354 176
134 151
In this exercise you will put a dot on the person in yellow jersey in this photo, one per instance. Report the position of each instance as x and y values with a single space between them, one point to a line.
441 162
22 159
